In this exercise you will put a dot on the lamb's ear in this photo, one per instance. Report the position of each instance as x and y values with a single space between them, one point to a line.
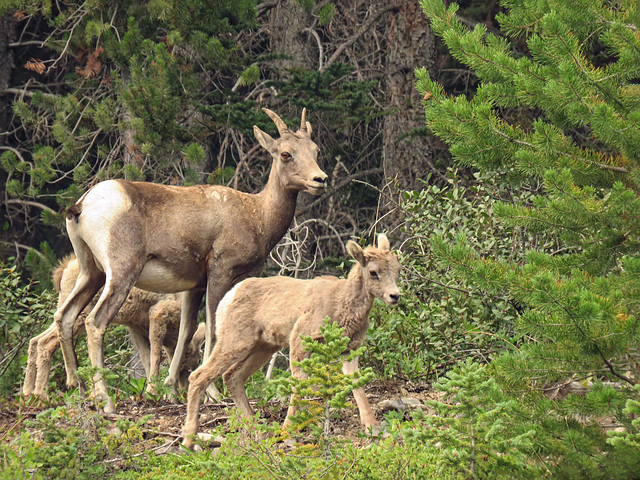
264 139
383 243
356 252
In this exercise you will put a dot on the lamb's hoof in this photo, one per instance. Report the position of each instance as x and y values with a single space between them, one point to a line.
377 431
212 395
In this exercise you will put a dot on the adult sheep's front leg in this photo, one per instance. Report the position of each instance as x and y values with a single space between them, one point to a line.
216 289
188 322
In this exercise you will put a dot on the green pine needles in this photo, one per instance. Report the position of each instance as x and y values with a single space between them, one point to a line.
554 111
326 388
556 114
472 425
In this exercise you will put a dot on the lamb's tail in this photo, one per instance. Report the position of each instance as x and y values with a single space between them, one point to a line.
59 270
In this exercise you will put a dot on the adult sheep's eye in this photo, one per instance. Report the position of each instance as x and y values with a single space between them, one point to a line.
286 156
373 274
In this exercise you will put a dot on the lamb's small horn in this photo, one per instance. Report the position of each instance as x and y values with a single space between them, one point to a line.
282 127
303 123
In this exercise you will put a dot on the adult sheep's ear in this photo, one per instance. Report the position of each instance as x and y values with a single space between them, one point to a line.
356 251
383 243
264 139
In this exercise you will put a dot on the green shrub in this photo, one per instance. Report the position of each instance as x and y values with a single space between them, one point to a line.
70 442
24 311
442 318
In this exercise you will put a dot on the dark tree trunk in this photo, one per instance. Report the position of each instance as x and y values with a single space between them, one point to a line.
7 35
289 26
407 149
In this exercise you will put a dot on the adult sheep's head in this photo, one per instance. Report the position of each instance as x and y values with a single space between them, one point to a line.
295 156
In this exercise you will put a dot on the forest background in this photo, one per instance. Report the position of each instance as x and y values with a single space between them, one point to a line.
514 206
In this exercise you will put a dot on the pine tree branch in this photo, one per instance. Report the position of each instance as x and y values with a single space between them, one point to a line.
602 166
31 203
597 348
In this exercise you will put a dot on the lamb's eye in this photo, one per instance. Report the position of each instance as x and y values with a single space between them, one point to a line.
373 274
286 156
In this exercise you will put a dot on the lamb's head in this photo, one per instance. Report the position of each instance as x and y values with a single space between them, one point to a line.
294 155
379 269
192 357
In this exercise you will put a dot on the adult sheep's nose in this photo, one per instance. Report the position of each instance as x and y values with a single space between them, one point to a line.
320 178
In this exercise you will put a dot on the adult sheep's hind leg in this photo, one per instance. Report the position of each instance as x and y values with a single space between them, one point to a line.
87 285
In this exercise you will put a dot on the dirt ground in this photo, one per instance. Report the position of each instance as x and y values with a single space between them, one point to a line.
167 418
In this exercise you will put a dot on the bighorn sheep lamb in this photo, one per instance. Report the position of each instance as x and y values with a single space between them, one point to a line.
259 316
171 239
151 319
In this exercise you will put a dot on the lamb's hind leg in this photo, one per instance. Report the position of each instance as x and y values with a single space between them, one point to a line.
217 364
31 372
236 377
188 323
47 346
141 344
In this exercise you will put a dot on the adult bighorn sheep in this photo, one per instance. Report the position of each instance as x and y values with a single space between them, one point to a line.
259 316
152 319
179 239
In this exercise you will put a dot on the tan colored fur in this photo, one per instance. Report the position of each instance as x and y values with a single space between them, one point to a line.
259 316
152 320
199 239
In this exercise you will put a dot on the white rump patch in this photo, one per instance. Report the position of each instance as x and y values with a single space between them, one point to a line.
223 305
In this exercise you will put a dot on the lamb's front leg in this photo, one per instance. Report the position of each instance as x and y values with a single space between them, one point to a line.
367 417
32 360
296 354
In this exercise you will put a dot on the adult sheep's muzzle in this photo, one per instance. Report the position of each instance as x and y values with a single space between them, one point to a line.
318 184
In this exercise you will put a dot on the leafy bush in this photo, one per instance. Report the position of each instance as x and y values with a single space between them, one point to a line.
243 455
442 318
24 310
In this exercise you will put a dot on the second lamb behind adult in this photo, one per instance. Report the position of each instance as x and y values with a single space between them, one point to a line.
259 316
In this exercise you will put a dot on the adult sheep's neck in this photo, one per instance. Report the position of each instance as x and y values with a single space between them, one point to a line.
354 305
278 205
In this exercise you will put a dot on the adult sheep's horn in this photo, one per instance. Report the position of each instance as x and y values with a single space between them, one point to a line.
303 123
282 127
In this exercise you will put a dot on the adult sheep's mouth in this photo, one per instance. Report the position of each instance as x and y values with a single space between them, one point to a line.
315 188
